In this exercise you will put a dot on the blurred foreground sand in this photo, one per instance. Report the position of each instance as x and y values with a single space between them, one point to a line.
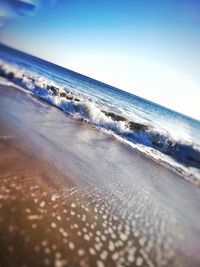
72 196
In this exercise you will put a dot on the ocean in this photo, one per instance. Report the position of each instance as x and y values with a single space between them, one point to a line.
165 136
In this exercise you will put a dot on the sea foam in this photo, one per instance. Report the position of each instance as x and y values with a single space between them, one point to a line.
184 157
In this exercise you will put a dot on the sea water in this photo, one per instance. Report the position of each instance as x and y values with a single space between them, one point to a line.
159 133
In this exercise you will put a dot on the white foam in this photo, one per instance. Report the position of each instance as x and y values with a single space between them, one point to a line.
153 142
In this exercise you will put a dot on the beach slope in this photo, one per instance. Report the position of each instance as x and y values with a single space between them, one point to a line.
70 195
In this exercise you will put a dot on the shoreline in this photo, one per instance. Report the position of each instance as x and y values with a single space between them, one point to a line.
186 172
153 141
73 196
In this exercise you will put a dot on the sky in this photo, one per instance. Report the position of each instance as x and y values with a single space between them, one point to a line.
149 48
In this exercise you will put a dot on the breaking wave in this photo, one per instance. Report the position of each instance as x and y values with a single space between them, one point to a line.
155 143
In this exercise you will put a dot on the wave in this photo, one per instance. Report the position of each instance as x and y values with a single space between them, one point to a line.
144 137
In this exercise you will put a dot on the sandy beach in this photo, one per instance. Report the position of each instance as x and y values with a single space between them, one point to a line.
70 195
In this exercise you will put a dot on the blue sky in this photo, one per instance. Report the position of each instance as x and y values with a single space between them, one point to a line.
150 48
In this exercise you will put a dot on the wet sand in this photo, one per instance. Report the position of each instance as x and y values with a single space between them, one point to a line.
72 196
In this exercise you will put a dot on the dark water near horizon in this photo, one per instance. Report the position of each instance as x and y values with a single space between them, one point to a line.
164 135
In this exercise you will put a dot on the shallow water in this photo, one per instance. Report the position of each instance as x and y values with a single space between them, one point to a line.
165 136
